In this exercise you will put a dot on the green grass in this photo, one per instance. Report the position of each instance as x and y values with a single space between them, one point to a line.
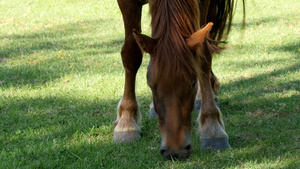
61 78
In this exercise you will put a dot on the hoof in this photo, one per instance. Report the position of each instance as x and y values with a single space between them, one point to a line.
128 136
215 144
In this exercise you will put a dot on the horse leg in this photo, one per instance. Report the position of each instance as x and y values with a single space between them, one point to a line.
128 115
212 130
215 87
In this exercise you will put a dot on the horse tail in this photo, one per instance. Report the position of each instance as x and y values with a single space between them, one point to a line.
220 12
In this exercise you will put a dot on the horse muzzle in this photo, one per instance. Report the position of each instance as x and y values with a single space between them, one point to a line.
176 154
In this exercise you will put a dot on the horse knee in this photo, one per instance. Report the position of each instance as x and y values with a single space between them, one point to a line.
131 55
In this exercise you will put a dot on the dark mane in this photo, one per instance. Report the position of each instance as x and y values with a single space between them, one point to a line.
221 14
175 20
172 22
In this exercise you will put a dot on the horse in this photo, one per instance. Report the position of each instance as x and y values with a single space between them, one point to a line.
185 34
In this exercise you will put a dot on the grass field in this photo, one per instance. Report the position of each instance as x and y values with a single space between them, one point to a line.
61 78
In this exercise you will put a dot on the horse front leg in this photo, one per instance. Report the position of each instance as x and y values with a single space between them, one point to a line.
215 87
212 130
127 125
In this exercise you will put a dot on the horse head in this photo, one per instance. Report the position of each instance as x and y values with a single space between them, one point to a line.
172 77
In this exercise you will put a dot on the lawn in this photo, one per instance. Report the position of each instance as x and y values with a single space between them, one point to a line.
61 77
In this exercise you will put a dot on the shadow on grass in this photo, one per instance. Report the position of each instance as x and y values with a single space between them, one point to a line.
70 132
38 130
264 20
70 36
39 53
54 131
59 129
291 47
257 111
251 92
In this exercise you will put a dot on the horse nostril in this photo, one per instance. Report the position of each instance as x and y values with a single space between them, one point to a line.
180 154
188 148
162 151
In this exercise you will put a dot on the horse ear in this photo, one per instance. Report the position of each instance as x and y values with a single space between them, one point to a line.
197 38
146 43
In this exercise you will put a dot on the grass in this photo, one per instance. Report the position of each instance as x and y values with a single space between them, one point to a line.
61 77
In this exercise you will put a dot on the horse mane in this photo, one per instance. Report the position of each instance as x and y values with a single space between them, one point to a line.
175 20
172 22
221 14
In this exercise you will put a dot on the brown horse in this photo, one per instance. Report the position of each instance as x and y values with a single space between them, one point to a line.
181 55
